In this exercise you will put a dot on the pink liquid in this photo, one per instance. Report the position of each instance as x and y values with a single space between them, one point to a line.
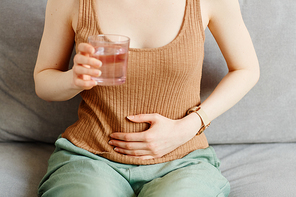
114 64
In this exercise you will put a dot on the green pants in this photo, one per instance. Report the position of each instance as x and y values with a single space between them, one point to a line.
75 172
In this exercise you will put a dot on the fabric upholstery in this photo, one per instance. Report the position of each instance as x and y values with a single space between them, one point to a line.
22 166
268 112
24 116
252 170
257 170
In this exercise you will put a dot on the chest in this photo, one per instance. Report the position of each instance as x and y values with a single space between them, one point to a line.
149 23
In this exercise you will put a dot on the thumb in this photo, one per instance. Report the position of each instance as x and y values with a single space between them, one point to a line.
149 118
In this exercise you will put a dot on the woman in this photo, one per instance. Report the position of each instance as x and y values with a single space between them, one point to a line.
143 138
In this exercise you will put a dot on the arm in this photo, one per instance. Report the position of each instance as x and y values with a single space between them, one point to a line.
224 20
227 26
53 80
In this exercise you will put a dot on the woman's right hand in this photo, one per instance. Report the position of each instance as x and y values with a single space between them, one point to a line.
85 67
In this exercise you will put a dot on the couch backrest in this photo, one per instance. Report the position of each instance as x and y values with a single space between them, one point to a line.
266 114
24 116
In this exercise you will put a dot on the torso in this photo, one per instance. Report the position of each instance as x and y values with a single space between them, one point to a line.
163 76
149 23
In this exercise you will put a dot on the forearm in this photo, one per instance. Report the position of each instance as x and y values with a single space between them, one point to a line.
232 88
55 85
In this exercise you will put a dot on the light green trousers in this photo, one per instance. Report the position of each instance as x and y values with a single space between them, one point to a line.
75 172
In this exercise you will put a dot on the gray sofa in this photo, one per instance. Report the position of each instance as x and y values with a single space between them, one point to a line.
255 140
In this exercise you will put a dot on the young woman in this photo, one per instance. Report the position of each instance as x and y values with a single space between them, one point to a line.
142 138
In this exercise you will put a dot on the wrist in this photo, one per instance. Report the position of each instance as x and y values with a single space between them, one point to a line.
205 121
192 123
72 86
65 88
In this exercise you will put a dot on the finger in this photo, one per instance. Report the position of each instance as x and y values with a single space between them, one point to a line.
149 118
85 84
85 60
146 157
132 152
129 137
86 49
129 145
86 70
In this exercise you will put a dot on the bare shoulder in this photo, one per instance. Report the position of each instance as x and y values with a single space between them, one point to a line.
226 24
223 17
213 10
221 10
205 12
58 35
62 11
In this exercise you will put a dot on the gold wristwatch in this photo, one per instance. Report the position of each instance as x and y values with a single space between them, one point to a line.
203 116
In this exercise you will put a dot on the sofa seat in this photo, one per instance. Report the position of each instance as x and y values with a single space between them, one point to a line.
22 166
252 169
259 170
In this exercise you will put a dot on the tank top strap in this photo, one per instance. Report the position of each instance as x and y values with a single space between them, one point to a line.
86 24
195 16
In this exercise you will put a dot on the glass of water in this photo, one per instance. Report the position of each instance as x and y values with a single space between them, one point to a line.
112 51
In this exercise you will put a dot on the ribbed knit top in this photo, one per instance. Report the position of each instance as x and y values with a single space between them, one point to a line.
164 80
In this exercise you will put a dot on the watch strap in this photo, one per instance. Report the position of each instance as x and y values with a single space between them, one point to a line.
203 116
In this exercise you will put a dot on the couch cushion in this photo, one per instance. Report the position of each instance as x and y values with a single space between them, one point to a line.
268 112
253 170
259 169
24 116
22 167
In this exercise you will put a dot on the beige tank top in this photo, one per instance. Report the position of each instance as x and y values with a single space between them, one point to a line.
164 80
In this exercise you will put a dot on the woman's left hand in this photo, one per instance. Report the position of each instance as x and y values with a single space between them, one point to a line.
163 136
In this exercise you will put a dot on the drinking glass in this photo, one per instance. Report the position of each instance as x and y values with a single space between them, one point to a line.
112 51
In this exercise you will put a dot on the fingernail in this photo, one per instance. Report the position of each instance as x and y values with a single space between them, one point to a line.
98 63
95 83
130 117
97 72
93 50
